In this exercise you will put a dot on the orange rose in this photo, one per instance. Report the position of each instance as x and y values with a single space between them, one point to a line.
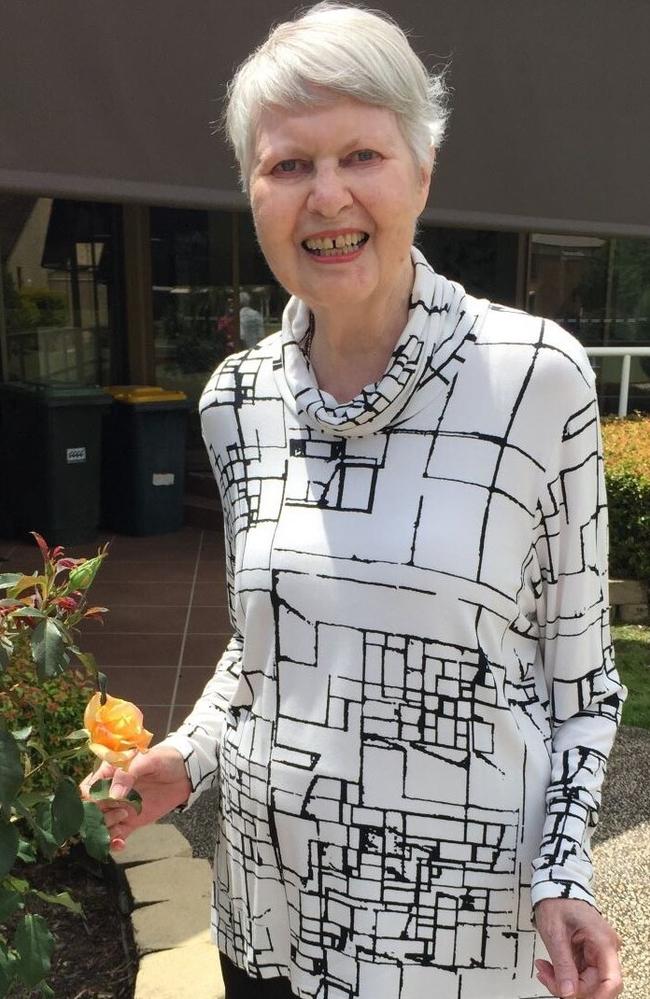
115 731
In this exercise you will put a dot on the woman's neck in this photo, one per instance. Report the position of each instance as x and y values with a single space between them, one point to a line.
351 348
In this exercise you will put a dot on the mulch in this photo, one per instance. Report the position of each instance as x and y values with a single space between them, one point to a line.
94 956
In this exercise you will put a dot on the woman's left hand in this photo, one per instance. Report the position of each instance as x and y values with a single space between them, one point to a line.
583 949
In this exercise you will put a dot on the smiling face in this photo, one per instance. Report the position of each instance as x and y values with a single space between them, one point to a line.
335 195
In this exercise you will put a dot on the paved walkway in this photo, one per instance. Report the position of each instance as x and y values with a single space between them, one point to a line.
167 622
622 854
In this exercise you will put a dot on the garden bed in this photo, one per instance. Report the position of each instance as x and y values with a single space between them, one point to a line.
95 957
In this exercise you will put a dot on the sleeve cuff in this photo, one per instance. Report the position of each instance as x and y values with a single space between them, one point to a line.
184 745
561 887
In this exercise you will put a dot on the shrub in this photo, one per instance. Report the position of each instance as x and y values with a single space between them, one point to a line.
63 700
42 697
627 472
52 306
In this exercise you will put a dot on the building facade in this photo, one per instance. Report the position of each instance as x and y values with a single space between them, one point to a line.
128 252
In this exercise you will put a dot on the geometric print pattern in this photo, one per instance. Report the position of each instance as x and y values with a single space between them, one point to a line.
410 727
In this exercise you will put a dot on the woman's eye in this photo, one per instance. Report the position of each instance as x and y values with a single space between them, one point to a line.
285 167
364 155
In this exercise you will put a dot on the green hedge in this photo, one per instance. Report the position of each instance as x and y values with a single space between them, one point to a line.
61 701
627 473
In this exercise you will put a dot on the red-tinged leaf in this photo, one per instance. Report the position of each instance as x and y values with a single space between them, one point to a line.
67 603
69 563
96 612
42 544
56 553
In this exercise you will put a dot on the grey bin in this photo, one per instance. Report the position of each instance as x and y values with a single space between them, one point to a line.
143 465
51 459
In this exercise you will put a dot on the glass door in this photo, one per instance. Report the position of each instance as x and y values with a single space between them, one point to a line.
61 291
213 295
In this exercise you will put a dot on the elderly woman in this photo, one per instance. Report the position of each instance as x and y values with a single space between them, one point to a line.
410 726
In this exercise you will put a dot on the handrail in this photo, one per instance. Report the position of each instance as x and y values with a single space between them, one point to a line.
626 353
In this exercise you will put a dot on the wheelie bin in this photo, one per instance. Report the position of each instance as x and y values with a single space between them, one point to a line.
52 459
143 465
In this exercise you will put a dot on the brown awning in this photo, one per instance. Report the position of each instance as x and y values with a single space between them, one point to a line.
109 99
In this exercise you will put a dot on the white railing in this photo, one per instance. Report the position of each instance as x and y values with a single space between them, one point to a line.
626 353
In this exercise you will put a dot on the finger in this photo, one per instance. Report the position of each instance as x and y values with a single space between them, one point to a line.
565 973
545 975
589 983
101 773
602 965
114 816
121 784
609 972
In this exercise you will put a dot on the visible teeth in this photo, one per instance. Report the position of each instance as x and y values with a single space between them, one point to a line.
326 244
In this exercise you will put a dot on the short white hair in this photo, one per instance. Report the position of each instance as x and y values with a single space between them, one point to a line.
340 50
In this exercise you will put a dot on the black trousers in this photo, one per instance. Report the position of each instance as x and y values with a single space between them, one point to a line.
240 986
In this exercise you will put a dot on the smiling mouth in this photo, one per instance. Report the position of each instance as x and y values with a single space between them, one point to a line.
336 246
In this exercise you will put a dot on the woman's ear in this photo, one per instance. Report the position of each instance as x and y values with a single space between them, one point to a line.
425 172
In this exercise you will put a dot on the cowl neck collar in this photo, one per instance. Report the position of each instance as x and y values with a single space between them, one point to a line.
439 323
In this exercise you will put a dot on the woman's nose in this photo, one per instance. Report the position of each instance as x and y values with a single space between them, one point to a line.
329 193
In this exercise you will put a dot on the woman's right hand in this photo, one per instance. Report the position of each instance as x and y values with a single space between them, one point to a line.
160 779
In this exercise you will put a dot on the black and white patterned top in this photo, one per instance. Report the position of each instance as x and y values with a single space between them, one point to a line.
410 726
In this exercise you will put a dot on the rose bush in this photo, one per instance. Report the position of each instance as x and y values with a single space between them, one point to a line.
41 809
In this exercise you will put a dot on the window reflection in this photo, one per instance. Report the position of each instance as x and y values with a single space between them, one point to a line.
483 261
213 293
59 278
599 290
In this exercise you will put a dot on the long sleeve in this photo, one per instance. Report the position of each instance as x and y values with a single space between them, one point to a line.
199 736
585 692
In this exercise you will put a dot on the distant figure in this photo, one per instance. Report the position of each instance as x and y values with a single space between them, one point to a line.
225 329
251 324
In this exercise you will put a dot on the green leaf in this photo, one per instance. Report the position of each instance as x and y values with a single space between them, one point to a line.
7 969
94 834
10 902
67 810
27 851
17 884
34 944
81 735
29 612
28 799
47 649
11 768
22 734
25 583
63 898
86 659
8 846
41 823
6 652
8 579
100 791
